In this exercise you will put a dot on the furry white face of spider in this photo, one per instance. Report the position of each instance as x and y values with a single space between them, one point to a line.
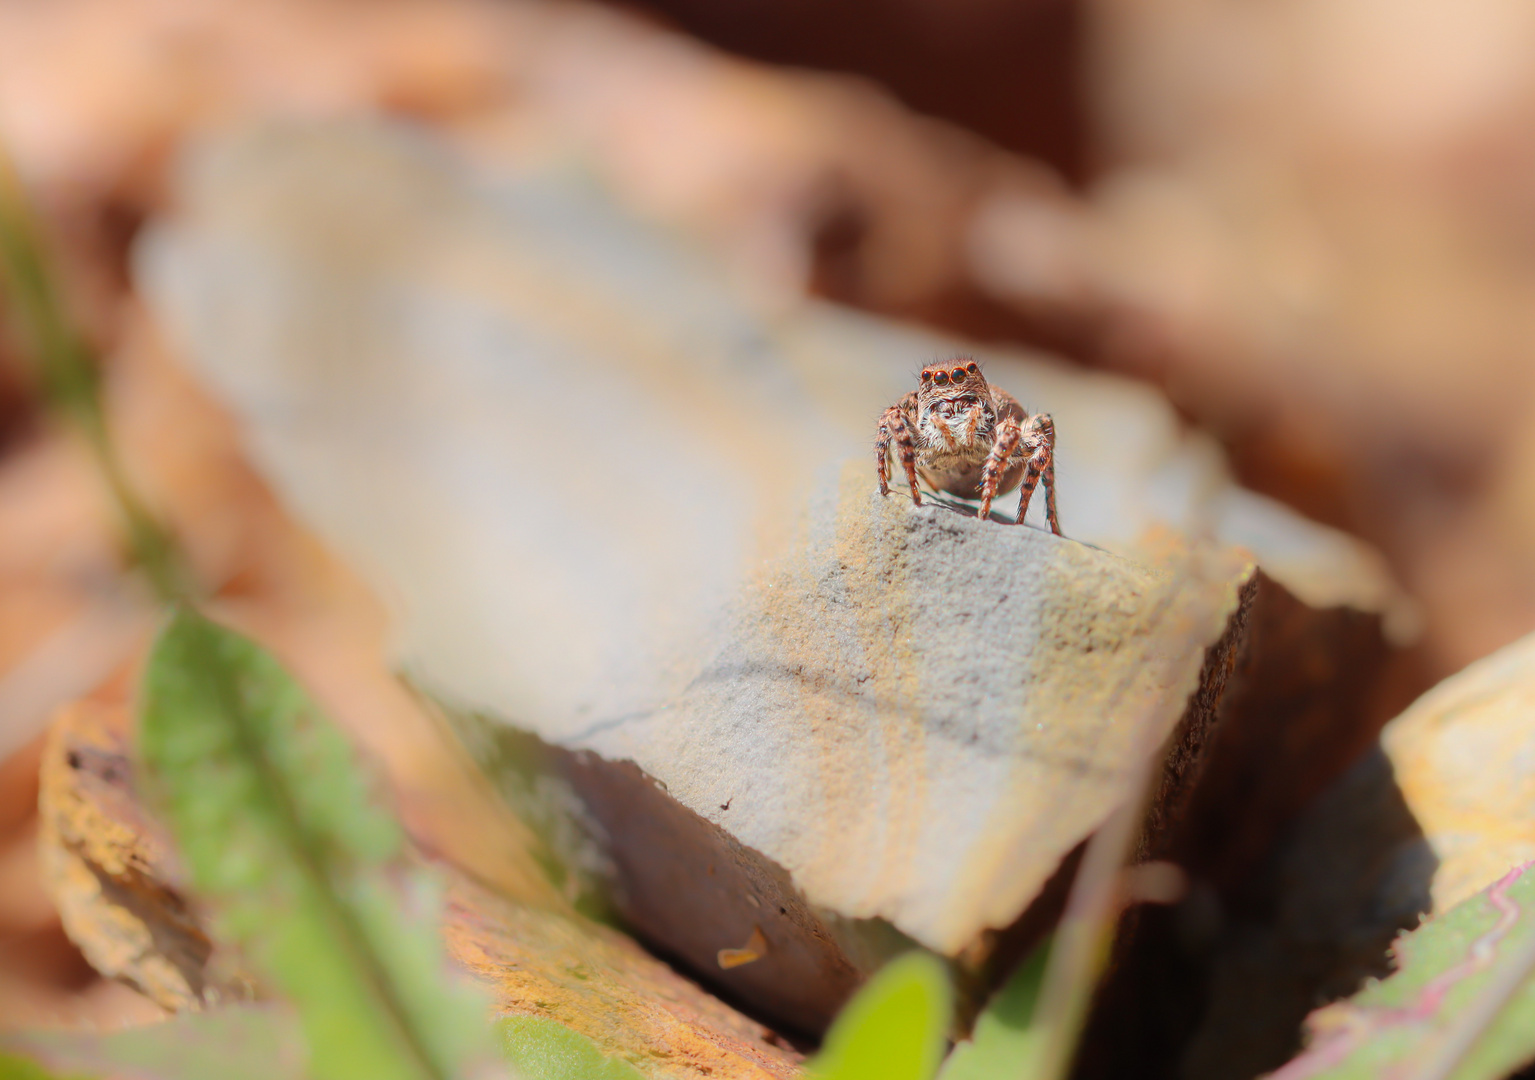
957 423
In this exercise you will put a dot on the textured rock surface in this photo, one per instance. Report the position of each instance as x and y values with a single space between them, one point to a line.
113 873
578 462
918 714
695 891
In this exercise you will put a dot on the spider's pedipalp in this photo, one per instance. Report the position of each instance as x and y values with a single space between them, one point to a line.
943 429
973 422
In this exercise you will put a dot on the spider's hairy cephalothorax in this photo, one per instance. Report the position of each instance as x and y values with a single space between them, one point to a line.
968 438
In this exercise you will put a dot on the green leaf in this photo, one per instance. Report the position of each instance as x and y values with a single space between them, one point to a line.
19 1068
279 829
1461 1003
1003 1041
545 1049
894 1028
242 1042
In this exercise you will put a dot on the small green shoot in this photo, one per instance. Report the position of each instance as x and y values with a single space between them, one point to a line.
67 371
235 1042
1005 1040
20 1068
894 1028
277 827
543 1049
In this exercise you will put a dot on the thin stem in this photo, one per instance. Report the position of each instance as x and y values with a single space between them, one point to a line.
68 372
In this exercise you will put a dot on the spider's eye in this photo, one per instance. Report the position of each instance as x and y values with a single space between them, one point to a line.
941 378
926 375
958 373
972 369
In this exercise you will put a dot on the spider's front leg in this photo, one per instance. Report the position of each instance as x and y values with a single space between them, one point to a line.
1009 434
893 428
1041 465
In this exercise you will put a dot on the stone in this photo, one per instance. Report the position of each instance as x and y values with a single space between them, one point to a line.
1464 758
615 502
917 716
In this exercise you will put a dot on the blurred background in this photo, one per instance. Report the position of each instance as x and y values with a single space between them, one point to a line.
1310 223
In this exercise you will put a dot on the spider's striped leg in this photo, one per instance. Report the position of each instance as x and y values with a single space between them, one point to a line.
1009 434
1047 428
1041 464
893 428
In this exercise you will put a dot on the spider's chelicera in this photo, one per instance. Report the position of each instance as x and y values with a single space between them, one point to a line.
968 438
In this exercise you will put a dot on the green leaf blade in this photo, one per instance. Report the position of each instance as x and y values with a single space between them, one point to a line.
236 1042
1005 1039
1460 1005
894 1028
544 1049
13 1067
279 830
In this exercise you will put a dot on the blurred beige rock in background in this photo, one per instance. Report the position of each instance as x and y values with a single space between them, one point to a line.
1464 757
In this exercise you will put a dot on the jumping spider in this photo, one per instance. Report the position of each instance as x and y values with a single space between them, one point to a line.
969 438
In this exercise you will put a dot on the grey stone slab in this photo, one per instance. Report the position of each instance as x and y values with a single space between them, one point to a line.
616 503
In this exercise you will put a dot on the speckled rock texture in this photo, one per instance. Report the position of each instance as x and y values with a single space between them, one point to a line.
619 502
918 713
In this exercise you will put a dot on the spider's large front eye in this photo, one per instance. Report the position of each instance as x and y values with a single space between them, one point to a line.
958 373
941 378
